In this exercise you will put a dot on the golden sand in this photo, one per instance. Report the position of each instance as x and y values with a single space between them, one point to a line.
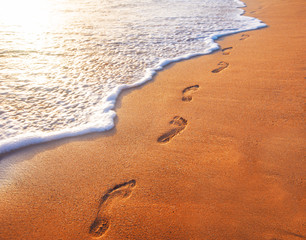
213 148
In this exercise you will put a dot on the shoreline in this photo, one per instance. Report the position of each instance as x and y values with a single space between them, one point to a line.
231 169
26 140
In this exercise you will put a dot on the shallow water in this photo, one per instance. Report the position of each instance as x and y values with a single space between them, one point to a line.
62 63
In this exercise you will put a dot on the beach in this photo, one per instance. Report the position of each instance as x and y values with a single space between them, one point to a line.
212 148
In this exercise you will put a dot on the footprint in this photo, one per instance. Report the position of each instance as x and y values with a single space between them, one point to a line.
226 51
179 125
222 65
187 93
102 222
244 36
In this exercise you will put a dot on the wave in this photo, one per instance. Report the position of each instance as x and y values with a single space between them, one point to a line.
104 120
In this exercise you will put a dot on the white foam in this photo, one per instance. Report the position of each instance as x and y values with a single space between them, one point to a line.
103 120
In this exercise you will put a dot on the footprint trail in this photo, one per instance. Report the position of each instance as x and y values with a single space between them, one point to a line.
179 125
102 222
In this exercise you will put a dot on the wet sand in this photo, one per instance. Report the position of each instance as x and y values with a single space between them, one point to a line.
213 148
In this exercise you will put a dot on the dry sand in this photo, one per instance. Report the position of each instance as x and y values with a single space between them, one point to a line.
222 159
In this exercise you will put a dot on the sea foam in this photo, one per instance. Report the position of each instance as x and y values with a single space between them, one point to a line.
69 85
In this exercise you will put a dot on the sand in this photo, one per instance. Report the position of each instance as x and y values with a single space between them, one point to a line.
213 148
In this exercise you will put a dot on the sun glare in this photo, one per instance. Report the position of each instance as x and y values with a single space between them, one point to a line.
28 15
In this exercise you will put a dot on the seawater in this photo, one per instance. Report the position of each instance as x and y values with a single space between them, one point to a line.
64 62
